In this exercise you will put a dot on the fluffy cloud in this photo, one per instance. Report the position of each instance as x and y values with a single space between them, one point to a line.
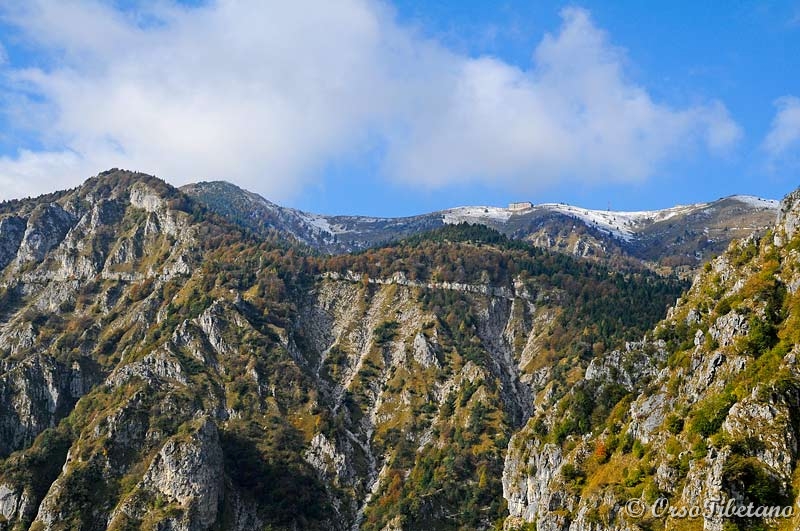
784 135
572 114
266 93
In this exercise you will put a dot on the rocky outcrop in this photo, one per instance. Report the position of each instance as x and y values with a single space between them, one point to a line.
424 352
323 455
17 337
164 219
788 218
16 505
647 415
400 279
727 328
156 366
528 478
767 417
630 366
46 228
12 230
188 471
34 395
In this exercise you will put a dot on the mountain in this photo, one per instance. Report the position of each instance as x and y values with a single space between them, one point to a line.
329 234
679 238
704 411
163 367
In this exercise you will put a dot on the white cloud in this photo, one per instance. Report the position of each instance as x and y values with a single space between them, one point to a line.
572 115
265 93
784 136
31 173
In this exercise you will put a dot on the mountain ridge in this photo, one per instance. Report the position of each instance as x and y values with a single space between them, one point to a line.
683 235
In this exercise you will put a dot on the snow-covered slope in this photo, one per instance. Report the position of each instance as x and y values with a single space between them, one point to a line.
473 214
619 224
622 225
757 202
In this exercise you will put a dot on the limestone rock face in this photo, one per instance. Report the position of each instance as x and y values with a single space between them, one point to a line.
527 476
767 419
12 230
788 218
141 196
34 394
46 228
629 366
16 504
190 472
728 327
424 353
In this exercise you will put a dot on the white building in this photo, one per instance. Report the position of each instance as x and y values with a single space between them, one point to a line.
524 205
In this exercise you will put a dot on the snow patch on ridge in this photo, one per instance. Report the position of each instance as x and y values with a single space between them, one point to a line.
619 224
323 224
757 202
476 214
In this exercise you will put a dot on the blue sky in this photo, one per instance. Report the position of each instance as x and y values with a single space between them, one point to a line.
397 108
